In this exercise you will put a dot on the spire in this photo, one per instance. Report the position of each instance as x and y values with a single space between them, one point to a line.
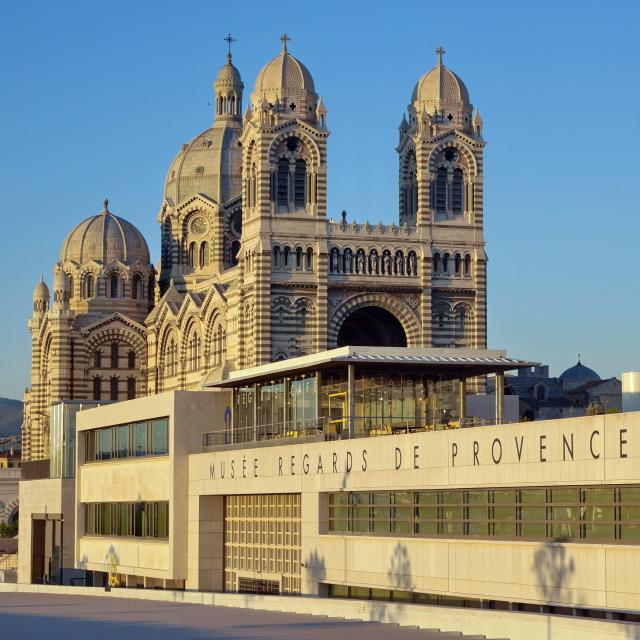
440 51
106 206
404 125
285 38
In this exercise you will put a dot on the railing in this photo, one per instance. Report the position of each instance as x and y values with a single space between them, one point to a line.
341 429
8 561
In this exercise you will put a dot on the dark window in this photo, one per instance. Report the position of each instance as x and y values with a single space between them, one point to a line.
114 284
457 192
97 387
204 254
300 184
114 388
97 359
131 360
89 288
283 182
467 265
235 248
131 388
150 289
70 287
309 258
191 255
458 263
299 258
136 287
441 190
114 355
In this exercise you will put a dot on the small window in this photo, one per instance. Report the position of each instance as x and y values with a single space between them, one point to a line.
97 387
131 388
131 360
114 388
89 286
97 359
114 285
467 265
114 355
283 183
204 255
136 287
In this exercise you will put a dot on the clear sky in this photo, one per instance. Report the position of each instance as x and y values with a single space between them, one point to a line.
97 98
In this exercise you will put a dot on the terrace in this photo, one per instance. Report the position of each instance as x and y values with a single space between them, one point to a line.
356 392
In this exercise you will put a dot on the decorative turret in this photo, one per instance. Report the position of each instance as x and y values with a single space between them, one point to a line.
321 114
228 88
477 125
60 289
40 299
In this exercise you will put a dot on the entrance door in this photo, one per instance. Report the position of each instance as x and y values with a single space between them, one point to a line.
38 528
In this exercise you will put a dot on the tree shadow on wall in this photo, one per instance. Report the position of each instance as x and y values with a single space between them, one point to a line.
399 577
554 570
315 568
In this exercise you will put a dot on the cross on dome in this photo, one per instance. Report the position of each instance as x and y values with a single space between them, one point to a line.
284 38
440 51
229 39
106 206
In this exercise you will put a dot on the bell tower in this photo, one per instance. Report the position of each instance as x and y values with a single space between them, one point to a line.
284 168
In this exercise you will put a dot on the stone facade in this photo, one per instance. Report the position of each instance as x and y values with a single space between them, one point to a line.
251 269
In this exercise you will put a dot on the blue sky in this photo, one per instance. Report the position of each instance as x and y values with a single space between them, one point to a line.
98 97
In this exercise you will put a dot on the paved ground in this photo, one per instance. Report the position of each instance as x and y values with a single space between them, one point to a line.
35 615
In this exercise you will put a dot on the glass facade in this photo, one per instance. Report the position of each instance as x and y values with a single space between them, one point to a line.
132 519
147 438
589 514
318 404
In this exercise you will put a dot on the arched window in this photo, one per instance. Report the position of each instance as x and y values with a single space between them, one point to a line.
467 265
131 388
114 355
70 287
150 290
131 359
436 263
300 184
441 190
97 387
235 249
114 388
309 259
97 359
457 264
445 263
171 358
136 287
219 338
457 192
299 258
282 188
114 283
89 286
191 255
276 257
461 327
204 254
287 251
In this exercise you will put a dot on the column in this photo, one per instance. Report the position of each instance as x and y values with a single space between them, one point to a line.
351 398
462 400
499 396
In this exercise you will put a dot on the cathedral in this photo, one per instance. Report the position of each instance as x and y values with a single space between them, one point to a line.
252 270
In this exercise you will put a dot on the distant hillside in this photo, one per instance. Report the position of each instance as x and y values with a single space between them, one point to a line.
10 417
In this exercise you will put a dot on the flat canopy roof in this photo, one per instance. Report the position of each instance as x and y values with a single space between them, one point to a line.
473 362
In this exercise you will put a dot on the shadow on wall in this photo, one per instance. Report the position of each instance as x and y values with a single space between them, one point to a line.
399 577
315 568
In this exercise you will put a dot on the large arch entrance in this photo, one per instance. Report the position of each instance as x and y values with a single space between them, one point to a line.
371 327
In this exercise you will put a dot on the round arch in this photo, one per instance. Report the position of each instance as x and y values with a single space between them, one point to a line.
398 309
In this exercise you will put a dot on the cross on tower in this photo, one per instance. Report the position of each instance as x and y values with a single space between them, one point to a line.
440 51
229 39
284 38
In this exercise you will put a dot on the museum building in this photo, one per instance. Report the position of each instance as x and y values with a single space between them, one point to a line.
283 404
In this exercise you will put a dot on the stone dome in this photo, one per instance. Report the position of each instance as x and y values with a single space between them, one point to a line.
105 238
579 373
440 87
284 79
228 75
210 163
41 292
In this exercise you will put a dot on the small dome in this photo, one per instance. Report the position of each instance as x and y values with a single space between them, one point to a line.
579 373
41 292
228 75
440 87
104 238
282 79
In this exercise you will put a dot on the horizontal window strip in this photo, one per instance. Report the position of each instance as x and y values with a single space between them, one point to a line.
138 439
593 514
127 519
